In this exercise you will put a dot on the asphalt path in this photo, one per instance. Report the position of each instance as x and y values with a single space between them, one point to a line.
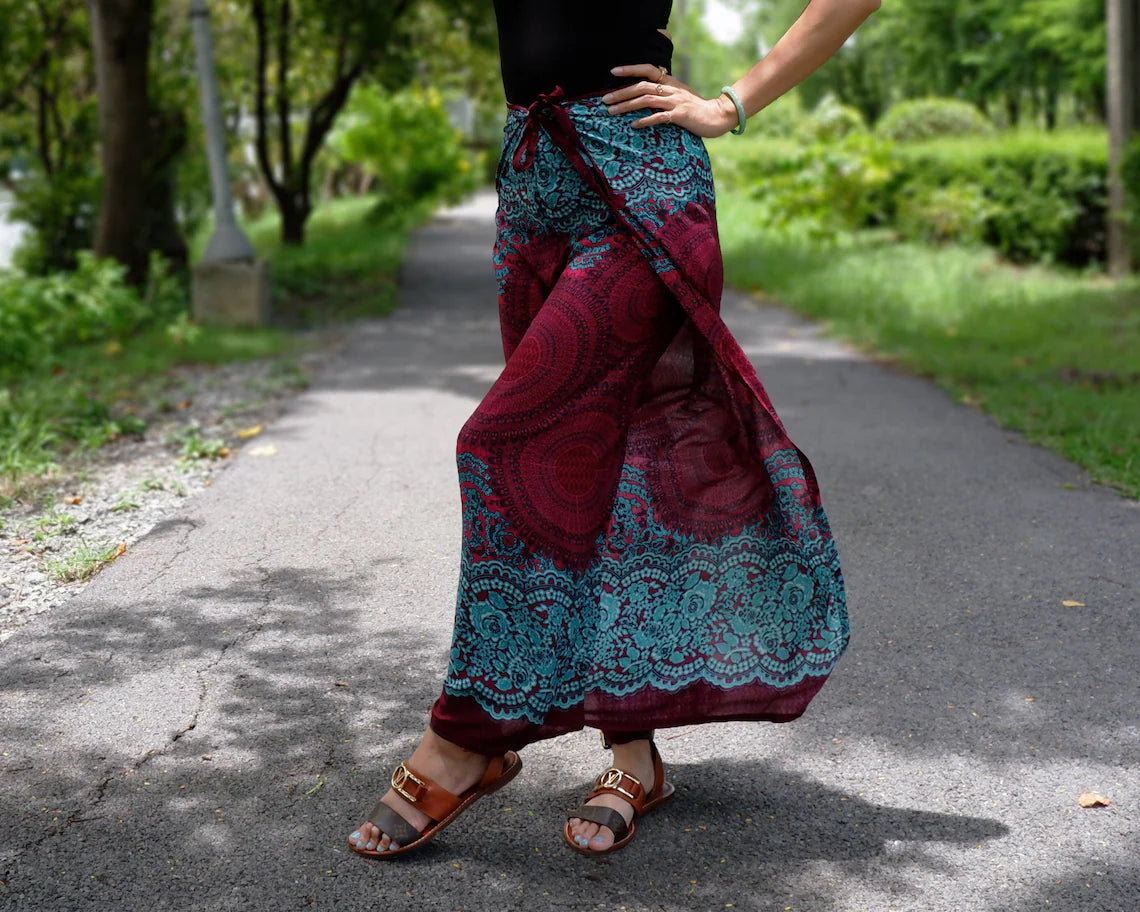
204 724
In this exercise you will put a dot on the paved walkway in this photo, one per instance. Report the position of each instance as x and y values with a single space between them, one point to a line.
203 725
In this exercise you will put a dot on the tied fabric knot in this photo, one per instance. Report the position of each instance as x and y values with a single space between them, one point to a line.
547 113
536 113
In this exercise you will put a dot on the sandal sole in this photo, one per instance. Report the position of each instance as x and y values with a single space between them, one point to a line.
509 773
667 792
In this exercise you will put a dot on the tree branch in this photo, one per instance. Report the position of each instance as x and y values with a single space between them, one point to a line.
284 24
262 142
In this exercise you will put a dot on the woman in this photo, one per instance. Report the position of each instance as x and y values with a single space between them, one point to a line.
643 546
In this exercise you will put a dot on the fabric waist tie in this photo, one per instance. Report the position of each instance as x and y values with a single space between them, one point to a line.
546 112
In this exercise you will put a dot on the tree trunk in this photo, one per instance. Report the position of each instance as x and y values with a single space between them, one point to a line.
121 42
1012 108
294 215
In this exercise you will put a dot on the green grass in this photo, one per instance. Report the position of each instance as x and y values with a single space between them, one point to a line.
97 392
347 267
1053 354
81 562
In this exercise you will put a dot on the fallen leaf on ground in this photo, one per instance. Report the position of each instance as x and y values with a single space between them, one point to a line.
267 450
1093 800
75 500
1070 603
249 431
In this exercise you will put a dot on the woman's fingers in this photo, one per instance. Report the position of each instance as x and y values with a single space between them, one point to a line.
648 71
631 91
644 101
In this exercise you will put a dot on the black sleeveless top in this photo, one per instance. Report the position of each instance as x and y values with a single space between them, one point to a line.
574 43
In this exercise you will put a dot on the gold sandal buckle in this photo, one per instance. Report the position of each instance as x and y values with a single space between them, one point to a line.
612 779
400 776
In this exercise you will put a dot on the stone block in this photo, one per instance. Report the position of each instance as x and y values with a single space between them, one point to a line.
230 293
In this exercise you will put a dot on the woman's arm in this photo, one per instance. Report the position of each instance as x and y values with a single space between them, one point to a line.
814 37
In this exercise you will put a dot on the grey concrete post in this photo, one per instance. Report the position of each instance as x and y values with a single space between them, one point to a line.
230 285
228 241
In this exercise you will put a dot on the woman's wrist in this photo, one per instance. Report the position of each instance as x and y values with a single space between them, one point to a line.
726 112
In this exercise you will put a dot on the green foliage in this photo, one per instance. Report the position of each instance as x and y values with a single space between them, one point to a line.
779 120
1130 175
42 316
954 212
1033 196
1045 194
60 213
824 188
830 120
927 118
1045 351
1034 62
405 141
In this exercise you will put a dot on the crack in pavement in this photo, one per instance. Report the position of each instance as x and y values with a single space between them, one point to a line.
98 793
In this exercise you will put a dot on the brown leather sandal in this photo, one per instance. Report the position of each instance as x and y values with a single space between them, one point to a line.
435 801
629 788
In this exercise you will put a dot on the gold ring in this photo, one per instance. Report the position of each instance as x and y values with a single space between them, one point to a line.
664 73
660 89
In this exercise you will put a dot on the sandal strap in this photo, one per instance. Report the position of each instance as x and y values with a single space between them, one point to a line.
388 821
618 782
494 770
424 792
603 816
658 770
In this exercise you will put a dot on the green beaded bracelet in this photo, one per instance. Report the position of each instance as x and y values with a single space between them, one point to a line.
731 93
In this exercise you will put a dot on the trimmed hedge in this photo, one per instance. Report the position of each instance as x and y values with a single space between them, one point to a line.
1045 195
1033 196
928 118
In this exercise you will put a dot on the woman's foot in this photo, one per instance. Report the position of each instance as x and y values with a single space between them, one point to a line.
450 765
636 758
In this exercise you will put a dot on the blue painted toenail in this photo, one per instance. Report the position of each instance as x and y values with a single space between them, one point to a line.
360 843
392 847
355 835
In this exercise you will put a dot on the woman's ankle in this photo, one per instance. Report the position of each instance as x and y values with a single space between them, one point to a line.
450 749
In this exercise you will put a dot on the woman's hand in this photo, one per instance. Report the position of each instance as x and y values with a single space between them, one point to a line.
674 102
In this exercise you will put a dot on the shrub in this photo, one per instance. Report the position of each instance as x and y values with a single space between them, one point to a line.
407 143
60 213
1046 194
828 187
1033 196
926 118
1130 174
955 212
780 119
42 315
830 120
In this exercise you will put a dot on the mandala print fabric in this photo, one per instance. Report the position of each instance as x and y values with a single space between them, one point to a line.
643 546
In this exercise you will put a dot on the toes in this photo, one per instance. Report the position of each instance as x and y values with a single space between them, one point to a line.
359 838
371 839
603 839
582 831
